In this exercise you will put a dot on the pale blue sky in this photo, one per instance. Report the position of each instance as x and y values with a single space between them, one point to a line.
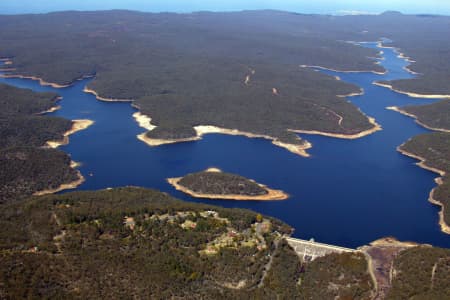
303 6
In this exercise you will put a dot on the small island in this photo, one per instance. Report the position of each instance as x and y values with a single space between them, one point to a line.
215 184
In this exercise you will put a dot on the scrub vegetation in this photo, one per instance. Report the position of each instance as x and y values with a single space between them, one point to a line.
421 273
139 243
221 69
435 115
26 166
435 149
231 70
219 183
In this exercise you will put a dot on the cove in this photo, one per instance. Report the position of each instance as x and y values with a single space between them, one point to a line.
348 193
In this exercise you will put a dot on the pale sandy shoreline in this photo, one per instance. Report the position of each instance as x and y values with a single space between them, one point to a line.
399 110
299 149
41 81
7 69
90 91
412 95
376 127
65 186
50 110
159 142
392 242
400 55
272 195
340 71
397 50
8 61
422 162
406 68
144 121
77 125
360 93
444 226
201 130
53 108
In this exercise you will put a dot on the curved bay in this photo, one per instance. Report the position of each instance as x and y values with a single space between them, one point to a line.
349 192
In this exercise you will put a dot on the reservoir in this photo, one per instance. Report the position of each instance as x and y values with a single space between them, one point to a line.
348 193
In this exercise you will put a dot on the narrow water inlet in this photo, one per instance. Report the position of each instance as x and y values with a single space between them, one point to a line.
348 193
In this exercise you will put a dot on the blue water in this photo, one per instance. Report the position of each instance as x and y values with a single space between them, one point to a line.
349 192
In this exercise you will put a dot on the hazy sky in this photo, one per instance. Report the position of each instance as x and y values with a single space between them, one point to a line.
304 6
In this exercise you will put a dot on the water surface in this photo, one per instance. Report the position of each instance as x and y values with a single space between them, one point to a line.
348 193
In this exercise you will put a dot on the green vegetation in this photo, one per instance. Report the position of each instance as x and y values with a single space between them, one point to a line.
185 70
32 130
219 183
220 69
435 148
25 168
282 278
306 100
140 243
126 242
181 131
20 123
435 115
421 273
422 38
342 276
15 101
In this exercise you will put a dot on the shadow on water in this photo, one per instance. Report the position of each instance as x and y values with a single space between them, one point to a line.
349 193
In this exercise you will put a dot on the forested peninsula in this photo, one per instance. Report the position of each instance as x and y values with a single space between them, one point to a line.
227 70
435 116
190 74
231 71
139 243
433 150
28 164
